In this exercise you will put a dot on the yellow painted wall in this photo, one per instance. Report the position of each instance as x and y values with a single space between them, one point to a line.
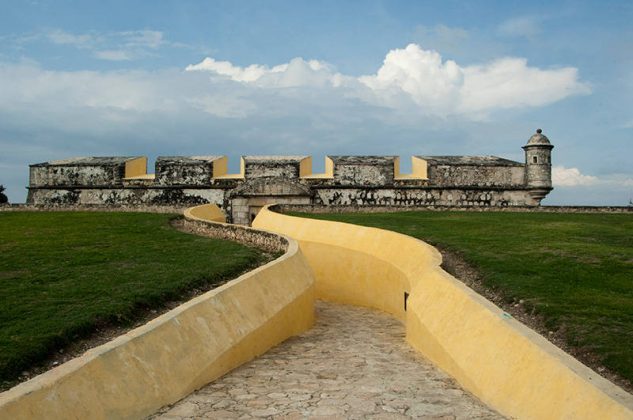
220 169
176 353
305 169
136 167
505 364
418 169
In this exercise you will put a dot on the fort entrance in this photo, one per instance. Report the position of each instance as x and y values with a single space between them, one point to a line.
246 200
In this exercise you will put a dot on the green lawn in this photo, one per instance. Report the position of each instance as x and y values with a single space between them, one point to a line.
62 275
576 270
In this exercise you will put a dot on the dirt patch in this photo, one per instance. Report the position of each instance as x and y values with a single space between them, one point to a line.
455 264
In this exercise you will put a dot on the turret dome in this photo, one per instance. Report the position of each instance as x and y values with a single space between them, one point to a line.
538 138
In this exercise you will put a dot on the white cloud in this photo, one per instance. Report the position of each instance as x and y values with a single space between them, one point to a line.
571 177
251 73
523 26
431 83
511 83
442 37
142 39
412 82
572 187
297 72
113 55
112 46
59 37
223 106
414 76
443 87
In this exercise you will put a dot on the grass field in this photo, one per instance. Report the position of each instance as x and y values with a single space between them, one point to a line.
63 275
576 270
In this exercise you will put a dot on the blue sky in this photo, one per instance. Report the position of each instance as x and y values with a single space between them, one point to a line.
328 77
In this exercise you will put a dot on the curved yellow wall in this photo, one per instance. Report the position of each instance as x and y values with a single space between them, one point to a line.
507 365
176 353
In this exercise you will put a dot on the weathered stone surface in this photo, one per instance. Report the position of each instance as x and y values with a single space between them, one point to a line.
263 240
80 172
476 171
354 364
192 171
272 166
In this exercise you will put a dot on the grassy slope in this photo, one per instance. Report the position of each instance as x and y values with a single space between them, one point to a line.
62 275
574 269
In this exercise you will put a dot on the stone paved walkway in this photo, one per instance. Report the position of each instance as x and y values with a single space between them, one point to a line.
353 364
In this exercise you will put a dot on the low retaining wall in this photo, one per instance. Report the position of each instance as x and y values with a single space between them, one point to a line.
95 208
313 208
195 222
505 364
178 352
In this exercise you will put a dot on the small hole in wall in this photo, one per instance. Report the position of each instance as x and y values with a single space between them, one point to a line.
406 297
535 159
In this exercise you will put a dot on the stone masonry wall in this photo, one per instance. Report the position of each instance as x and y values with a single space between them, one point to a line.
76 175
125 196
480 181
257 238
482 176
288 208
407 197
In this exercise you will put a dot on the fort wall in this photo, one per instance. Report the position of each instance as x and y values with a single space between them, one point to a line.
356 181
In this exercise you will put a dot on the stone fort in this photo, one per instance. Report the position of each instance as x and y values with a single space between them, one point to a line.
452 181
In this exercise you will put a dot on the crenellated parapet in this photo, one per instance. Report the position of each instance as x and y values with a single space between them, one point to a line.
86 171
478 181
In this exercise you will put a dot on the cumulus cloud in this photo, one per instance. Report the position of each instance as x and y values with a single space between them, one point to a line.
430 82
571 177
251 73
511 83
297 72
572 187
421 77
411 81
443 87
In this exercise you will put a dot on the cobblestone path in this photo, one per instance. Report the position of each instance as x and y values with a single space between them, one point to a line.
353 364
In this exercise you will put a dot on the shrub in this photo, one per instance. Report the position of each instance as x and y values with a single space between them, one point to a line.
3 198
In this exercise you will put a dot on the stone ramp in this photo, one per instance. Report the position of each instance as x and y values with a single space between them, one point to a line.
353 364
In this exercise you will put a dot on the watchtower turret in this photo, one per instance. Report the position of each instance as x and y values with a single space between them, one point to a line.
538 165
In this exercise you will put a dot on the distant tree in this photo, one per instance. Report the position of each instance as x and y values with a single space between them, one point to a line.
3 198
